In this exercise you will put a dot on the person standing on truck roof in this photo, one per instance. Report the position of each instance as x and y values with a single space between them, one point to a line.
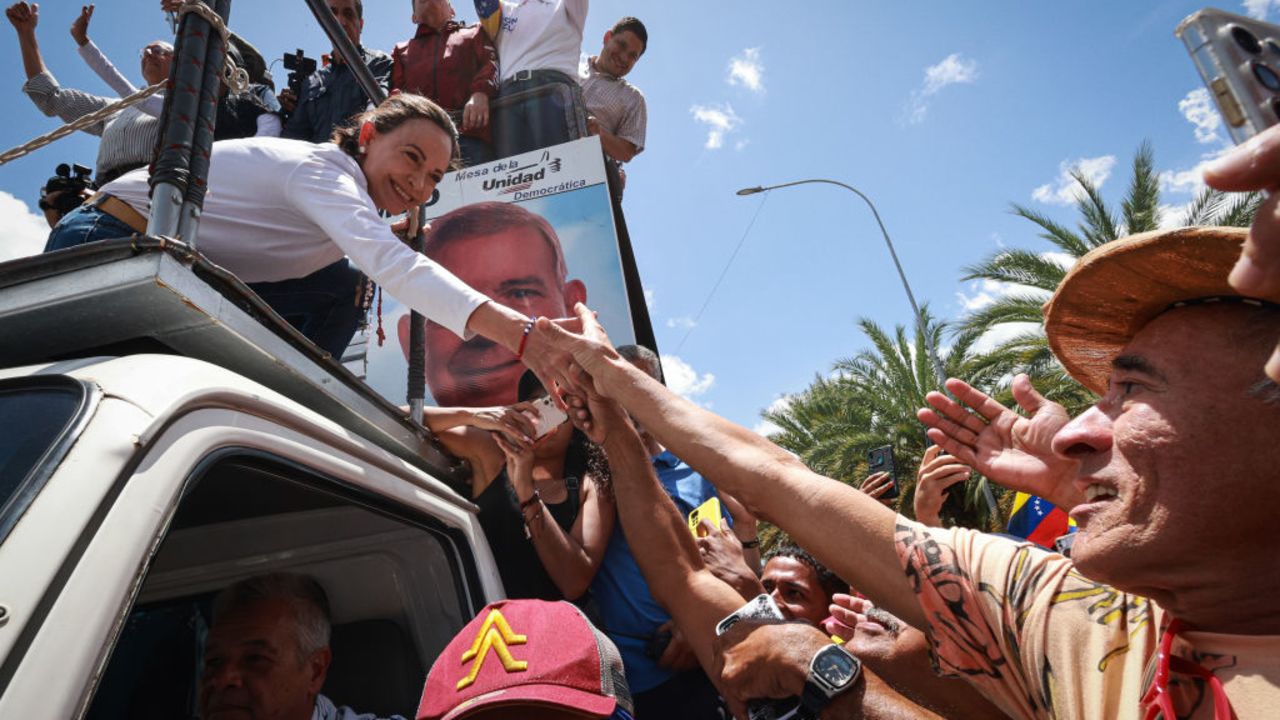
539 44
128 137
454 65
280 214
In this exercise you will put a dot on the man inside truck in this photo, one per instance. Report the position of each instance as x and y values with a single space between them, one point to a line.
267 654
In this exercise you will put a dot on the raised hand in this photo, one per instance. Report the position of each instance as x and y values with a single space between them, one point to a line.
586 345
80 27
1255 165
1010 449
937 473
514 421
722 553
23 16
876 485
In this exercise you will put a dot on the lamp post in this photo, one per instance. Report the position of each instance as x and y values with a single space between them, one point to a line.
928 339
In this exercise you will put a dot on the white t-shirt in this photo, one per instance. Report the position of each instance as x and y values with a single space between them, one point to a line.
280 209
540 35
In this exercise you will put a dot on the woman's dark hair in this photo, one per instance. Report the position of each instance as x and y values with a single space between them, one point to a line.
597 465
391 114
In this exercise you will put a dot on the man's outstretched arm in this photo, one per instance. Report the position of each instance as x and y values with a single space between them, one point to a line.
845 529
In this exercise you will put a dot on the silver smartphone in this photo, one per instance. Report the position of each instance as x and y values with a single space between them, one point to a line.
549 416
762 608
1239 61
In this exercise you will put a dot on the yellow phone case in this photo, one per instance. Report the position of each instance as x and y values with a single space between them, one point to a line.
709 510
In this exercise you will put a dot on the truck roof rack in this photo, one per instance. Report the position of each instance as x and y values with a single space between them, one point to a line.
147 294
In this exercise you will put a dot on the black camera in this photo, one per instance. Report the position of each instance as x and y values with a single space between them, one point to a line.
67 186
300 67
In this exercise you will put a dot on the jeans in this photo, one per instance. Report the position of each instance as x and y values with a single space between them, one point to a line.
474 151
84 225
322 306
556 115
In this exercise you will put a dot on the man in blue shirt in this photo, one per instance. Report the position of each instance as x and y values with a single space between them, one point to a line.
331 95
662 672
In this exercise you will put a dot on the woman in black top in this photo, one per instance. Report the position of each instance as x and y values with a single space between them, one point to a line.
545 505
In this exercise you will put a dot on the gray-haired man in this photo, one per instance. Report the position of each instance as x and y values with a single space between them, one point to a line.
267 654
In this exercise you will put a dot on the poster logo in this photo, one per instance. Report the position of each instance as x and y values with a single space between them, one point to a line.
522 177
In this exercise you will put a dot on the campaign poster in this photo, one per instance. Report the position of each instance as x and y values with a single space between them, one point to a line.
534 232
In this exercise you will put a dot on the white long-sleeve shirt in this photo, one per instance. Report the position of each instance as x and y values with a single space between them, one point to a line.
279 209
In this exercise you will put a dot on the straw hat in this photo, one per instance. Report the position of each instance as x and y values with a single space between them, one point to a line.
1119 287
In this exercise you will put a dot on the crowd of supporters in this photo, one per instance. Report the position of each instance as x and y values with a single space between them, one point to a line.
617 575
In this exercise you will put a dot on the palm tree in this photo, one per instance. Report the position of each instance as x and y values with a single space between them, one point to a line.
871 400
1036 275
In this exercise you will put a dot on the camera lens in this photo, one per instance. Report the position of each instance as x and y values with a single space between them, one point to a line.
1246 40
1266 76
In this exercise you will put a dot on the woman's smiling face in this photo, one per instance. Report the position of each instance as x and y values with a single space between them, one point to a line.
403 165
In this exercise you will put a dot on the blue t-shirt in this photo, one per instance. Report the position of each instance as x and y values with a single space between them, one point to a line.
628 613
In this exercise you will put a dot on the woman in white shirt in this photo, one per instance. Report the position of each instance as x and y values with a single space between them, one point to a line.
281 213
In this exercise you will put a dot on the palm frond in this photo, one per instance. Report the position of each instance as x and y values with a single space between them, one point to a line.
1141 205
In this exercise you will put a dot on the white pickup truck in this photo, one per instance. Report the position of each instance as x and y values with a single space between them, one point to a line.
163 435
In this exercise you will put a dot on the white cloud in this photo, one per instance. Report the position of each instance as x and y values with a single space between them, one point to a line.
1197 107
648 299
683 380
686 323
747 70
1259 8
982 293
1065 190
766 428
27 231
720 121
1001 333
953 70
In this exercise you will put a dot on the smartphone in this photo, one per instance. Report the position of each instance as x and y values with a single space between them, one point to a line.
764 609
1239 62
881 460
549 416
709 510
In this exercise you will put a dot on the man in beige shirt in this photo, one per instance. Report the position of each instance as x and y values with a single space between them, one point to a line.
1173 477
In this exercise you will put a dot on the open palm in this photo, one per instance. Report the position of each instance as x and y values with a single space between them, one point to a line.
1011 449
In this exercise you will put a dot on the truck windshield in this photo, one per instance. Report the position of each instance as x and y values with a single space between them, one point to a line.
34 418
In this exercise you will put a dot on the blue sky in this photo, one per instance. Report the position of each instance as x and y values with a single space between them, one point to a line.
943 113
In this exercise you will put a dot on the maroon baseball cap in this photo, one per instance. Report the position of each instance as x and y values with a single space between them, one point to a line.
527 652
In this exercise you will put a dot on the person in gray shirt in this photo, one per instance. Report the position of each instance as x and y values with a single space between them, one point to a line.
128 137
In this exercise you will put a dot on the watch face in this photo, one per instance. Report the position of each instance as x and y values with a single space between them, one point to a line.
835 667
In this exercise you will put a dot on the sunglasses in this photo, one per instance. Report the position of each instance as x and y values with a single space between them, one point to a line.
1157 701
155 50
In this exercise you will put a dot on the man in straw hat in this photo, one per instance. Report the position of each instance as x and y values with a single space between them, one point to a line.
1172 477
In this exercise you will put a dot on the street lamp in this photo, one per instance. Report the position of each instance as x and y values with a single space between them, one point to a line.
928 339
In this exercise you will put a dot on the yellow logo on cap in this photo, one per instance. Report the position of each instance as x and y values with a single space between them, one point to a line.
497 634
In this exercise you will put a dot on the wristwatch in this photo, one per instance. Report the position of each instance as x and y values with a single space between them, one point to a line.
831 671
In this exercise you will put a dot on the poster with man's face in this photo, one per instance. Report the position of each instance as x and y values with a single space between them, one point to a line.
534 232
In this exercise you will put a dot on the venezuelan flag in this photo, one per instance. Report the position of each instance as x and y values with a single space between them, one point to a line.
490 13
1039 520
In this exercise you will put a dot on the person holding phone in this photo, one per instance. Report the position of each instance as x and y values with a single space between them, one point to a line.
938 472
545 502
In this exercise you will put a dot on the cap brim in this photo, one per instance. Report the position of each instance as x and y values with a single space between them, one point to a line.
1119 287
556 696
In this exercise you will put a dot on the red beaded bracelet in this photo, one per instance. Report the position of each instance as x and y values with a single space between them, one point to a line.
528 327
